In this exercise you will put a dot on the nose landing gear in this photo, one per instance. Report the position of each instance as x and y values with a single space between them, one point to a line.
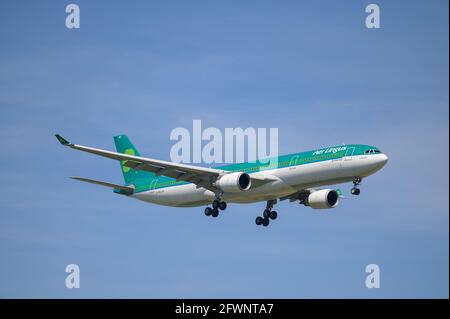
268 214
355 190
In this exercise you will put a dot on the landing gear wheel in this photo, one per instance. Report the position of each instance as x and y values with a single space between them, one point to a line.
259 220
208 211
215 212
268 214
273 215
216 203
355 190
222 206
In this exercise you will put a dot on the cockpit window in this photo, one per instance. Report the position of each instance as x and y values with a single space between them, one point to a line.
372 151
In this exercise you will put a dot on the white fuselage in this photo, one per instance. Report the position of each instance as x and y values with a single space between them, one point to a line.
286 181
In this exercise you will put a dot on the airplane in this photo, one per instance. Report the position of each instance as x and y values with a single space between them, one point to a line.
296 177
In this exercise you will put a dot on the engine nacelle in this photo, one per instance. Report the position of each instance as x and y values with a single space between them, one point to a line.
325 198
234 182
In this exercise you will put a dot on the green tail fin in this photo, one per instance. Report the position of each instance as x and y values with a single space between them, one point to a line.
124 145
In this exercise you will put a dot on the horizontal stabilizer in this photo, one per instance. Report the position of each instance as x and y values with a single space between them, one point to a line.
126 190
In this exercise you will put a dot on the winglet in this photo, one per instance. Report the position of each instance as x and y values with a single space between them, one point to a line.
62 140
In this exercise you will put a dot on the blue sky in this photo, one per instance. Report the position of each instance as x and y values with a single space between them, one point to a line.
312 69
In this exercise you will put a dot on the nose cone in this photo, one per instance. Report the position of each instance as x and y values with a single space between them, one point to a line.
382 160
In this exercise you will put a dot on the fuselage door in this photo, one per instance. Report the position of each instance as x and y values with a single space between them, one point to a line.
153 184
293 162
349 154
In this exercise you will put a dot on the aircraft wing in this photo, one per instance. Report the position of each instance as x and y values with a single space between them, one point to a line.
304 193
200 176
300 195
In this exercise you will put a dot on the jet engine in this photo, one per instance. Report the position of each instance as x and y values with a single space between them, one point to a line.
322 199
234 182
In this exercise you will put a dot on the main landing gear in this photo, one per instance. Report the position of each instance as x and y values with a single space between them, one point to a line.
217 205
267 215
355 190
